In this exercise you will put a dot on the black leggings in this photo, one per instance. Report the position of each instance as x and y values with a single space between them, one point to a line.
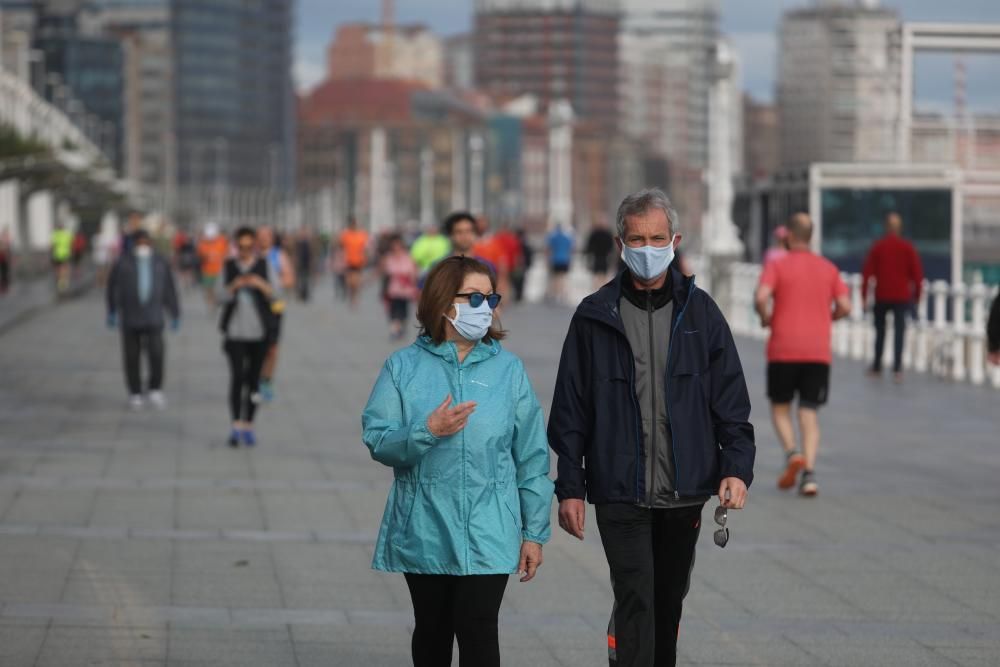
246 357
446 607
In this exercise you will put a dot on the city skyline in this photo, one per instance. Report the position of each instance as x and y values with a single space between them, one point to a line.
751 29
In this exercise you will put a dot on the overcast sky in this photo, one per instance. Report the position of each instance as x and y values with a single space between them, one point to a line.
750 24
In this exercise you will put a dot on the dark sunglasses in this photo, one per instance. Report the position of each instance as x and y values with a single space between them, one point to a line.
476 299
721 536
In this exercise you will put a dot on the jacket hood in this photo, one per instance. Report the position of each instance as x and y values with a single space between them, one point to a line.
484 349
603 304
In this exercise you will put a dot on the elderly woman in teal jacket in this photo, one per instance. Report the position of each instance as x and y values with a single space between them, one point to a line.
455 416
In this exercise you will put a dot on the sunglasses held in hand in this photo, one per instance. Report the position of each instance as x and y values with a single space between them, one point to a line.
721 536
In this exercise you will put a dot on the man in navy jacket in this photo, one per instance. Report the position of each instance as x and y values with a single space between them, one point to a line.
650 418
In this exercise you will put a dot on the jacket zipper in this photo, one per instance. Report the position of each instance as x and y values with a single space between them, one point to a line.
652 402
666 394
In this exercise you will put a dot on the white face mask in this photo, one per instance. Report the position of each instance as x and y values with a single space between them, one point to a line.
472 323
143 251
649 262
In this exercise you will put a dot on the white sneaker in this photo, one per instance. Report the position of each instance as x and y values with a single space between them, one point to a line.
135 402
158 400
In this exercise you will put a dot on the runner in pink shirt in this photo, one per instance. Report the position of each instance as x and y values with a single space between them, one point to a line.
799 297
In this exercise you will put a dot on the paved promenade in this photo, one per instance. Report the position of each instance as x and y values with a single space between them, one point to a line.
142 539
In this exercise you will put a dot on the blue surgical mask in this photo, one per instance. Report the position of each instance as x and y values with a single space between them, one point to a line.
472 323
648 262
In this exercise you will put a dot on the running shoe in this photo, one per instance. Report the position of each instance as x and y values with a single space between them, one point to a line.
796 462
249 439
158 400
808 486
234 438
135 402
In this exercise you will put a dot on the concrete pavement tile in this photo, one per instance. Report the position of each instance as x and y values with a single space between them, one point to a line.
19 645
119 589
210 557
212 509
81 646
325 654
139 508
30 587
59 507
225 590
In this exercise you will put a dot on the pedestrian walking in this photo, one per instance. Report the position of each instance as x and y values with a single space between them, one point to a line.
455 416
282 275
520 273
559 248
779 249
354 243
430 248
401 288
993 332
78 251
6 260
599 251
799 297
246 291
62 254
213 249
303 263
649 420
140 290
895 265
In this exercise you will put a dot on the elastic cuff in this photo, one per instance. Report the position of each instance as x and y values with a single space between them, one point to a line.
421 432
531 537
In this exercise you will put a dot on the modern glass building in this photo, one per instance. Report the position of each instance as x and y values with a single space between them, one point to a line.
233 92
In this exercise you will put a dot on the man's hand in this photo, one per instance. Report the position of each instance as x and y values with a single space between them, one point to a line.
994 358
765 320
572 512
733 493
531 560
446 421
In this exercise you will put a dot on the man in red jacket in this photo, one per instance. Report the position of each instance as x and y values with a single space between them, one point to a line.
895 265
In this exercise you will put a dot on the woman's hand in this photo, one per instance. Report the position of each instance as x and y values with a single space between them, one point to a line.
445 421
531 560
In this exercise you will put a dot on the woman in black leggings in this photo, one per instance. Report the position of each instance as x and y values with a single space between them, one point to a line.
246 321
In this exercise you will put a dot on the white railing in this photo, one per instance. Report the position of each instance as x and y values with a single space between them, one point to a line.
952 348
31 116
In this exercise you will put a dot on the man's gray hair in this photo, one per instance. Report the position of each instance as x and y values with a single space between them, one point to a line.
643 201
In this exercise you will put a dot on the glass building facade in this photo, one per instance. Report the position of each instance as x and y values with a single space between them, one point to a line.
233 92
853 219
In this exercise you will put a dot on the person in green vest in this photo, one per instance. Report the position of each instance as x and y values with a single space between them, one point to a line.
430 248
62 253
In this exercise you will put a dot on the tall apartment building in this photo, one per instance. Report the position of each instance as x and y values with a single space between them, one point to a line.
838 78
553 50
667 68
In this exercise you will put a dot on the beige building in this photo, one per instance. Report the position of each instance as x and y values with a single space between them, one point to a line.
838 78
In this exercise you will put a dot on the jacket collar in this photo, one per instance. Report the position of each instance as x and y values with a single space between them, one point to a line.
602 305
483 350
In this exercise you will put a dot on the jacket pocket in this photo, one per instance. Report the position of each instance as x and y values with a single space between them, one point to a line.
503 489
402 510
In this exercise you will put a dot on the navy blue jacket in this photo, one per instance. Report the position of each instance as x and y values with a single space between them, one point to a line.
594 425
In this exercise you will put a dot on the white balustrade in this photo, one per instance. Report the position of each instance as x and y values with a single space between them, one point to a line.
952 348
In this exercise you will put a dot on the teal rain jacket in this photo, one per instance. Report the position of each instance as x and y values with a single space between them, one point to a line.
460 504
